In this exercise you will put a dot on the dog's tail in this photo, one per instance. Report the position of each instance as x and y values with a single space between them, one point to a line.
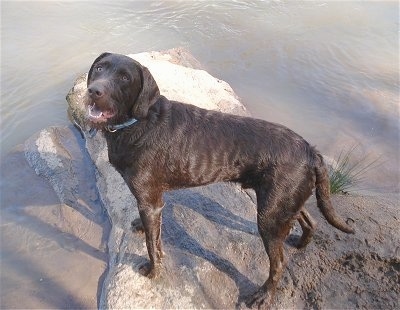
323 197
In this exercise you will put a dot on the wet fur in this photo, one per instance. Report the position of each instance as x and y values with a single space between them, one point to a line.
176 145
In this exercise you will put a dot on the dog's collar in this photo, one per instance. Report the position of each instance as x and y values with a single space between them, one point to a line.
114 128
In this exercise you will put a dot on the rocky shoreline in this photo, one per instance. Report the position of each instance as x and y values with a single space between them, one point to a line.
214 256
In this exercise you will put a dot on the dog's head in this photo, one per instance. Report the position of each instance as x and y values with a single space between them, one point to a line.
118 88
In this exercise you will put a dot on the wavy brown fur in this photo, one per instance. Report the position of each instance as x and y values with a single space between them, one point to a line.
175 145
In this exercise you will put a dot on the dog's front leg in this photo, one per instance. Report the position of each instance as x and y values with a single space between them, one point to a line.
151 218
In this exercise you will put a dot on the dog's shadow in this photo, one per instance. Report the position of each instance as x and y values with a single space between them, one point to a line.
176 236
209 209
192 216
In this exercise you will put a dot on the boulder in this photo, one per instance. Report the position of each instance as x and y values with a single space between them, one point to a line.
214 255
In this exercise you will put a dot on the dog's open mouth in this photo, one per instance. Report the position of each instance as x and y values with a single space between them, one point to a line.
97 115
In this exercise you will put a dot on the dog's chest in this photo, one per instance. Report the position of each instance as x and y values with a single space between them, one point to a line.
120 153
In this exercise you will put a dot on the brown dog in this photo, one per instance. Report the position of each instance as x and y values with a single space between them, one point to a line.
159 145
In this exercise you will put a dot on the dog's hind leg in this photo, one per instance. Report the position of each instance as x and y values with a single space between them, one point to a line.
308 225
274 223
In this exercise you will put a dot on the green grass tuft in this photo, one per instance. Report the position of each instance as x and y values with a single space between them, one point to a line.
348 170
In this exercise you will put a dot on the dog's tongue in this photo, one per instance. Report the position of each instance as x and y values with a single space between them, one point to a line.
94 111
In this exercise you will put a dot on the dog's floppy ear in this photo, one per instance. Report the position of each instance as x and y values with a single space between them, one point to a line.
148 95
94 62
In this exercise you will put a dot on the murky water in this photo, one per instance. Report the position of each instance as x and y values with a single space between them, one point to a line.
328 70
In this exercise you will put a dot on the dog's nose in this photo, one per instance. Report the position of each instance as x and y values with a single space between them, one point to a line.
95 91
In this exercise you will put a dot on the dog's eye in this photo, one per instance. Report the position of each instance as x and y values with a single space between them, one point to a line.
125 78
99 68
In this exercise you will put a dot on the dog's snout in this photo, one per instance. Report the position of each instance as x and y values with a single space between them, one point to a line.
95 91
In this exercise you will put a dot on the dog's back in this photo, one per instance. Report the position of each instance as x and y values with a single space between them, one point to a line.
201 146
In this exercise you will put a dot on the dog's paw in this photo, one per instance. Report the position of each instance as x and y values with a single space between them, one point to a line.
149 271
259 300
303 242
137 226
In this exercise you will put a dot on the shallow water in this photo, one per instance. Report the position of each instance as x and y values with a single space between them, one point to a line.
328 70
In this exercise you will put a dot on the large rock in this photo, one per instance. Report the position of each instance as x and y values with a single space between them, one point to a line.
127 250
214 256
